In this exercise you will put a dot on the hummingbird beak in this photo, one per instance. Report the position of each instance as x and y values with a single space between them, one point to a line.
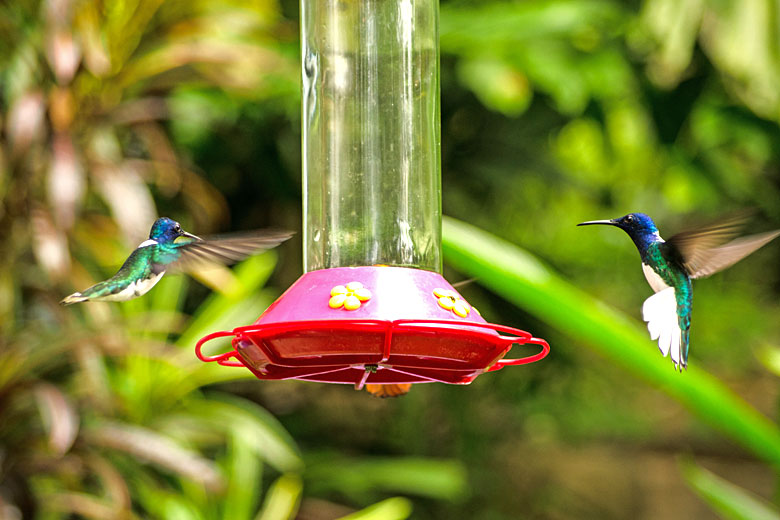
593 222
190 235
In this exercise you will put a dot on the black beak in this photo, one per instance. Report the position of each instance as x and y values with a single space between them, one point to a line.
593 222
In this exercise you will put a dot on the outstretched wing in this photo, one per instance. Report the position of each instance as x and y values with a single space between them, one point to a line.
731 253
712 248
225 250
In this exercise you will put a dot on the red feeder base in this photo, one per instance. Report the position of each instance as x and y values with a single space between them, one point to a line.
377 325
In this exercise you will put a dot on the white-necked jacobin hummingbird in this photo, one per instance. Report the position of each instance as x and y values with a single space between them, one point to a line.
670 265
171 248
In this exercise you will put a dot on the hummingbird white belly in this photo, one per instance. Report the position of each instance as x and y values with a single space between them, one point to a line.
133 290
653 278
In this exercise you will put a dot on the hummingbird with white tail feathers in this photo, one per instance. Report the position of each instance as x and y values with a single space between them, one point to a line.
670 265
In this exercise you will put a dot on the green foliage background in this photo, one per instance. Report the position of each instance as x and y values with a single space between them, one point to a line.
553 112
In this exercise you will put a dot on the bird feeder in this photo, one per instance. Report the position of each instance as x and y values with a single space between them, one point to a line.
372 306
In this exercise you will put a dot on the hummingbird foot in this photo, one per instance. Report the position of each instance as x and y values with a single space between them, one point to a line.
76 297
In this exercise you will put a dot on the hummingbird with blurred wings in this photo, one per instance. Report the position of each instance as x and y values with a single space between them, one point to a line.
669 266
170 248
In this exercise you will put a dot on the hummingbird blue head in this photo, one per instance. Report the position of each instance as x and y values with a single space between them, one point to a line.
165 230
639 227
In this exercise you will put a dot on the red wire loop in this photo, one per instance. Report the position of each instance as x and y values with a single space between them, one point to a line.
501 363
222 359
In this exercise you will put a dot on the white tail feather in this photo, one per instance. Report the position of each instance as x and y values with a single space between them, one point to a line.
660 313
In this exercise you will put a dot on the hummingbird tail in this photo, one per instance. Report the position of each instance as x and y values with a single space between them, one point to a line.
76 297
660 313
394 390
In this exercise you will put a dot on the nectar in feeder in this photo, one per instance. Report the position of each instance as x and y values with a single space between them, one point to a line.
372 308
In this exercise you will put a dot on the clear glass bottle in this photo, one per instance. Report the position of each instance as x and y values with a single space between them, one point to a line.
371 133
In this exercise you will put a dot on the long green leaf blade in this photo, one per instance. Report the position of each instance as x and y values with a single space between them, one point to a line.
729 501
435 478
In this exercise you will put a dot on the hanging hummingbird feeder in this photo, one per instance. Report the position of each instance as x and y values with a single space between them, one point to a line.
372 306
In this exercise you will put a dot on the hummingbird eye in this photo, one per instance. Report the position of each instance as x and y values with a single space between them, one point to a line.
630 218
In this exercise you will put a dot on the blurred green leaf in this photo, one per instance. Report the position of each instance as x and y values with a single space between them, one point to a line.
497 85
282 499
770 358
465 27
162 503
243 471
257 431
442 479
727 500
396 508
156 448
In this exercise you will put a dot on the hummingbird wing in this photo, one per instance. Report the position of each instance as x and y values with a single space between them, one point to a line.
226 250
730 253
706 250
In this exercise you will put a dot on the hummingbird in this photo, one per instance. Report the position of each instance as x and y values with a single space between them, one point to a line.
670 265
169 248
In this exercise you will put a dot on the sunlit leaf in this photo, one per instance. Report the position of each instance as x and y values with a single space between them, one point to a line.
163 502
498 86
282 499
770 357
391 509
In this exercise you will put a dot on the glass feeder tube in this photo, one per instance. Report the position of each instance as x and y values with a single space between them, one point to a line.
371 133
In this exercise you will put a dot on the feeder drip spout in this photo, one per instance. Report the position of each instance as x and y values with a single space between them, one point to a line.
371 133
